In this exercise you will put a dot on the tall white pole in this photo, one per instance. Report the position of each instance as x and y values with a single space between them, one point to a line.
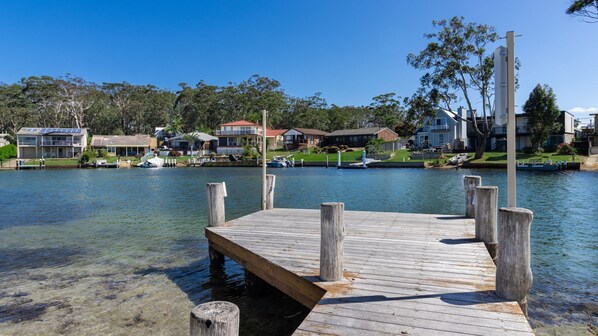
264 190
511 168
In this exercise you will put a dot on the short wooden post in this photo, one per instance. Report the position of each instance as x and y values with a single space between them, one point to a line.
470 182
270 184
216 193
486 209
216 318
513 269
331 243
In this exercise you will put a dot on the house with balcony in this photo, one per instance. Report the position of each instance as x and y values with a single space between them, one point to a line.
445 129
299 138
234 135
124 145
50 143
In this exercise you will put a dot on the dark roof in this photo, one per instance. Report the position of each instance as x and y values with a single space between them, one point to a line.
310 131
358 131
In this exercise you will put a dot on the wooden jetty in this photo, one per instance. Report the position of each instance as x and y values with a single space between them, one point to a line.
404 274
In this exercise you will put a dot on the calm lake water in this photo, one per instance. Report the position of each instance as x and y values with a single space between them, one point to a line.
122 251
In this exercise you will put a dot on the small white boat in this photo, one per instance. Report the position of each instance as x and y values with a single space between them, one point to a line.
155 162
457 159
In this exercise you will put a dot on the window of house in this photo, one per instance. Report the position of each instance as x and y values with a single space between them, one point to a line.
441 139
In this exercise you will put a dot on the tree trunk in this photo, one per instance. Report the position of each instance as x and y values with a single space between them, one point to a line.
480 146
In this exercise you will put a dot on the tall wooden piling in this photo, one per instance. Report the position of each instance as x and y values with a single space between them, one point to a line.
470 182
331 242
486 212
216 217
216 318
513 269
270 184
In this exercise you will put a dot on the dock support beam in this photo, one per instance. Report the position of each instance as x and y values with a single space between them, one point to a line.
470 182
332 221
270 184
216 318
486 209
216 217
513 269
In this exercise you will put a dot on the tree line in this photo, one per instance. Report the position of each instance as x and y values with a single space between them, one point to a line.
125 109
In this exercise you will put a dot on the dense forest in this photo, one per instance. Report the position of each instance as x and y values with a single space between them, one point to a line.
123 108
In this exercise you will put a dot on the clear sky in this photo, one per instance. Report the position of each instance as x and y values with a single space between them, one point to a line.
350 51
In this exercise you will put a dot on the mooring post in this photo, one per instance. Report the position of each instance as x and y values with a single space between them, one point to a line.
255 286
331 243
513 269
216 193
486 209
270 184
470 182
216 318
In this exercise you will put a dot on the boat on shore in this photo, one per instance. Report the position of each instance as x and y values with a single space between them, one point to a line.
279 162
154 162
458 159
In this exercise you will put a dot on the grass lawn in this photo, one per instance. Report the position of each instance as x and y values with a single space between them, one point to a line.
318 157
56 162
494 157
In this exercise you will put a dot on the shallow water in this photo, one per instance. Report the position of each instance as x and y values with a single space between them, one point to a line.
122 251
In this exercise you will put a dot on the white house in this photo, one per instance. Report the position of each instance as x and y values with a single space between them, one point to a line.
234 135
36 143
446 128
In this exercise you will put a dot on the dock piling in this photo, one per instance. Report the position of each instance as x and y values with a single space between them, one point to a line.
215 318
513 269
486 209
270 184
470 182
331 242
216 192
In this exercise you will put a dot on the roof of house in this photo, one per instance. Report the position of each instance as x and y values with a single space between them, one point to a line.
239 123
53 131
140 140
359 131
311 131
273 133
199 135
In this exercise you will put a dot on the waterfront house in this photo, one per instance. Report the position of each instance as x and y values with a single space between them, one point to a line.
359 137
203 143
298 138
37 143
124 145
498 136
234 135
275 138
446 128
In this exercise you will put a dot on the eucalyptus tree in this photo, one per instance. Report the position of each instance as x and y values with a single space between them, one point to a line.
542 114
42 93
586 9
386 110
458 66
15 110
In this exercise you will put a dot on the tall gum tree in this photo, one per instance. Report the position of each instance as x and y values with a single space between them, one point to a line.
459 66
542 114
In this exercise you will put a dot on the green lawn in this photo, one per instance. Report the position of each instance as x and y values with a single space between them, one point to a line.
500 157
318 157
56 162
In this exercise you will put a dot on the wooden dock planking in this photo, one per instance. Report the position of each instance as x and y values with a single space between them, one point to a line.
420 274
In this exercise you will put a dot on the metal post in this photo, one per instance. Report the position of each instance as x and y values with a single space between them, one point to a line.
511 168
264 189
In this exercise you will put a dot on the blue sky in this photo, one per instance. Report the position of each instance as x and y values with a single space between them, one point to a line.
350 51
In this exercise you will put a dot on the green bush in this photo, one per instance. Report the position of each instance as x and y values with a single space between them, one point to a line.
174 153
102 153
343 147
374 146
87 156
565 149
332 150
8 151
527 150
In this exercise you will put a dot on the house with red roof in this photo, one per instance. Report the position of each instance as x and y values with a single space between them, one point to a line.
275 138
234 135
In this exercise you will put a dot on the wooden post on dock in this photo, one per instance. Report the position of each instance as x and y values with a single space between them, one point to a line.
216 193
470 182
216 318
513 269
486 209
270 184
332 222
